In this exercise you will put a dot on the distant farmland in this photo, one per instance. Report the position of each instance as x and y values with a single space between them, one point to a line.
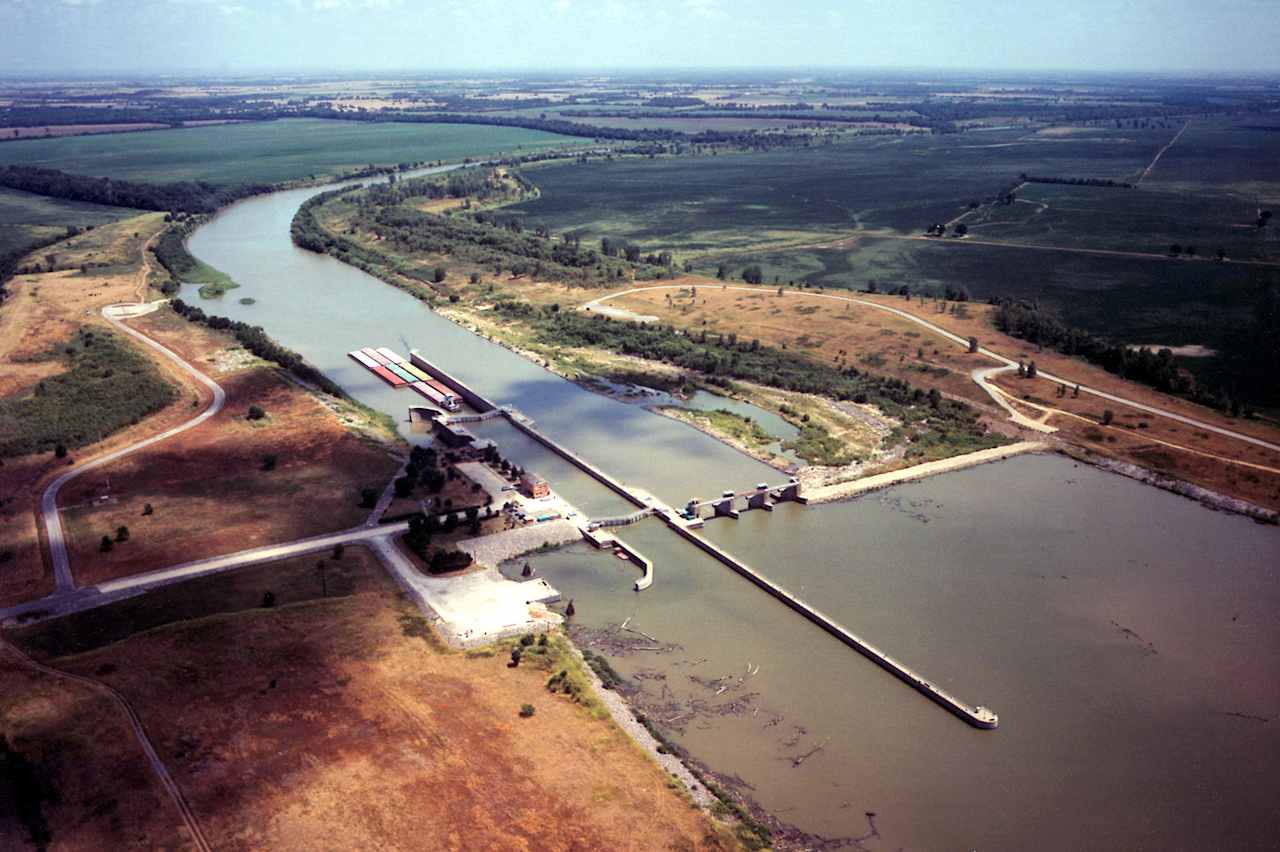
903 183
267 152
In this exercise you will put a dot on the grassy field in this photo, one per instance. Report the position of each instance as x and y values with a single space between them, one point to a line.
1220 157
107 385
1142 220
211 489
268 152
713 203
27 219
1148 302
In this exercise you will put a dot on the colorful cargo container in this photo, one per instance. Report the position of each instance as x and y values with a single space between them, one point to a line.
410 378
375 355
388 376
390 355
363 359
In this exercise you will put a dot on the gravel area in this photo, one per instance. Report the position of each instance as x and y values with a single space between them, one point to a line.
846 490
497 548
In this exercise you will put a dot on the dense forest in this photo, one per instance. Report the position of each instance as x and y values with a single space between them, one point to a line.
184 196
1253 360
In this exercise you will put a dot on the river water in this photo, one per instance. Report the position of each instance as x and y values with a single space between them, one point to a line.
1127 638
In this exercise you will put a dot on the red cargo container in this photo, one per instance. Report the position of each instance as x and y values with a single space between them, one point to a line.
388 376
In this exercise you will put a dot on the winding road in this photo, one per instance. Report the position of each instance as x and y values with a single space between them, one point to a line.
955 338
114 314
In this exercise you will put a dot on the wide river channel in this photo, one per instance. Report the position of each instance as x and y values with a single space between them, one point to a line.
1129 639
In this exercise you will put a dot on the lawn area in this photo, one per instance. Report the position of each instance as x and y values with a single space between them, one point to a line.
700 204
268 152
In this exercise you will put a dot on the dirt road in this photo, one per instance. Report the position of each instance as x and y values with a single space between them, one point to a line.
139 732
114 314
961 341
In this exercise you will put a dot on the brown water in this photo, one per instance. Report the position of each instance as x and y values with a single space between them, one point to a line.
1127 638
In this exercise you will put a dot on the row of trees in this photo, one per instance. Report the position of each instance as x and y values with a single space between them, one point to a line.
184 196
724 357
257 341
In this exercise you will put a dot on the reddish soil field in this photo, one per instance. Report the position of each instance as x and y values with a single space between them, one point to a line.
340 724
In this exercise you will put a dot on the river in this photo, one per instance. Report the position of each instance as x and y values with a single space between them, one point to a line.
1127 637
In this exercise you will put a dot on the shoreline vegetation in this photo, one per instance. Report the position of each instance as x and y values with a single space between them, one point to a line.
375 223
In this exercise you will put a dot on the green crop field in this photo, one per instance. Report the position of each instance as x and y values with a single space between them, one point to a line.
268 152
699 204
26 219
1142 220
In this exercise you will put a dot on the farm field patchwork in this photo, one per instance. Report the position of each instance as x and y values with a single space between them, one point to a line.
268 152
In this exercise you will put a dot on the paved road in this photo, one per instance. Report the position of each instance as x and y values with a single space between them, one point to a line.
955 338
49 500
139 732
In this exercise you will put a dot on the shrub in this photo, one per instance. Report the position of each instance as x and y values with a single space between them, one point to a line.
268 600
526 710
256 413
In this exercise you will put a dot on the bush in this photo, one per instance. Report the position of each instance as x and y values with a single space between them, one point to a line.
526 710
269 461
256 413
368 497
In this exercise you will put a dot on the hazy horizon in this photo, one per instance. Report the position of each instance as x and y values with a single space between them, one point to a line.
236 37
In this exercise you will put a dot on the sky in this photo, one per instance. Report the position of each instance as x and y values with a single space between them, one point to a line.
235 36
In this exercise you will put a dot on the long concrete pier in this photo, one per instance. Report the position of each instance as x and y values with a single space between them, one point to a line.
978 716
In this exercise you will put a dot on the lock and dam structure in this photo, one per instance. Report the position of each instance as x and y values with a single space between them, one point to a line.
685 524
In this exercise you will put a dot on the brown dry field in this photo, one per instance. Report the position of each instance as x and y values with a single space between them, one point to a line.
81 745
206 485
830 332
45 310
339 724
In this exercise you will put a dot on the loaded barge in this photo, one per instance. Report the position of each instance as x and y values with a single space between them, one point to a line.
399 372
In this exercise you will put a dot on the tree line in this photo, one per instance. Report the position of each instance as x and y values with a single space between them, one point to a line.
1252 363
723 357
183 196
257 341
1077 181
